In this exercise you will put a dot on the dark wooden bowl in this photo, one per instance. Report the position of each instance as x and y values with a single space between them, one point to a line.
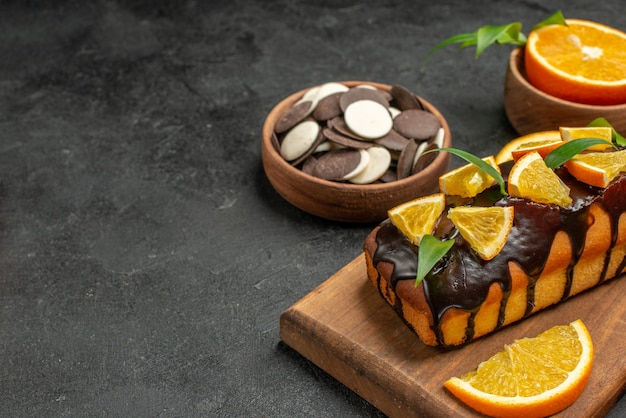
531 110
342 201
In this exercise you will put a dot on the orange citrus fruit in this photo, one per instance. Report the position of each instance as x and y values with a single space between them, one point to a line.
532 377
583 62
542 142
418 217
597 168
467 180
531 178
542 147
485 229
600 132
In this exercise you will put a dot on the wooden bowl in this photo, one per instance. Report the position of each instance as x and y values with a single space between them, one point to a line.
531 110
345 202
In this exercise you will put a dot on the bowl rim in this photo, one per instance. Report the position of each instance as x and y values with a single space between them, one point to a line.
516 59
268 150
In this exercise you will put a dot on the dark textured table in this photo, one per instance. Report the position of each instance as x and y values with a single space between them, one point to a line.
144 257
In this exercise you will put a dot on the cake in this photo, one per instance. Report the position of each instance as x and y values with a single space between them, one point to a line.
551 254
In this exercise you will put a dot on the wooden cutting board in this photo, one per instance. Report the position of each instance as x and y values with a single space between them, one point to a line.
344 327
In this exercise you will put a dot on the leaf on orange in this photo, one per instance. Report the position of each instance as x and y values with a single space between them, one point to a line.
597 168
468 180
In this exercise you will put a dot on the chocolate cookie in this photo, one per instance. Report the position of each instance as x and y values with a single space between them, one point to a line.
417 124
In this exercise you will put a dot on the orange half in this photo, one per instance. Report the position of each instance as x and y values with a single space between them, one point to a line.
584 62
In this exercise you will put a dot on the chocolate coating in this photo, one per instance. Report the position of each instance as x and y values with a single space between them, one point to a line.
462 279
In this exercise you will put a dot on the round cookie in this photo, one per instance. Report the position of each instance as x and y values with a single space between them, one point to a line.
293 116
336 164
417 124
379 162
328 107
346 141
299 139
356 94
368 119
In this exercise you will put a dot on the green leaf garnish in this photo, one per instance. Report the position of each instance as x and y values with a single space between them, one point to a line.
501 35
431 250
471 158
465 39
556 19
602 122
569 149
485 36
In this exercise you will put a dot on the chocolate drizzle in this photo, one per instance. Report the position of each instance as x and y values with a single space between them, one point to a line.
462 279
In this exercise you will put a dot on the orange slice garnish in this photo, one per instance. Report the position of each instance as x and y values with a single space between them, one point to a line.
532 377
600 132
531 178
485 229
467 180
418 217
597 168
542 142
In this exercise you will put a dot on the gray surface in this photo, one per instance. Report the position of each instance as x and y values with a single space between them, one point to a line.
144 257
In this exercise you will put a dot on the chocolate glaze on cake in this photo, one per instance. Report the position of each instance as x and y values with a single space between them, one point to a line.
462 279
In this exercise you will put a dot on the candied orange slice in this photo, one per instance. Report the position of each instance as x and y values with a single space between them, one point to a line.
532 377
418 217
532 179
485 229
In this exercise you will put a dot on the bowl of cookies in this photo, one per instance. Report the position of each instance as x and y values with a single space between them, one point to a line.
349 151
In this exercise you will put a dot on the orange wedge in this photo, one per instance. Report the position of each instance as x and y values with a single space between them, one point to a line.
584 62
542 142
485 229
597 168
467 180
418 217
542 147
532 377
600 132
531 178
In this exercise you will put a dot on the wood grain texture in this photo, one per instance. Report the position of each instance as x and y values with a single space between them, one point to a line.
344 327
531 110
